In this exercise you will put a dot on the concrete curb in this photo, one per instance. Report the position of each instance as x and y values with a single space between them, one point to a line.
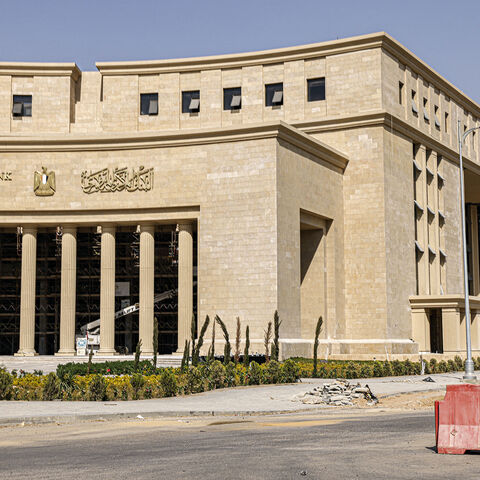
45 419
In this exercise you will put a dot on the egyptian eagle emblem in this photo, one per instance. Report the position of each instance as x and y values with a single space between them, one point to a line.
44 183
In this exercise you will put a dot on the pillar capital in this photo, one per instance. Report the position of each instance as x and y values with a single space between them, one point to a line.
69 228
31 229
146 227
185 226
106 228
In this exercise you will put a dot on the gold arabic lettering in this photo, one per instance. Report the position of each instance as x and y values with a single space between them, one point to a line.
117 180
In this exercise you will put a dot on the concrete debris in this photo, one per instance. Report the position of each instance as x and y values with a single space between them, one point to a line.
338 393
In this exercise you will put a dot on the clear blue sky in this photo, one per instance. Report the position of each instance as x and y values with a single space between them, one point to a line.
444 33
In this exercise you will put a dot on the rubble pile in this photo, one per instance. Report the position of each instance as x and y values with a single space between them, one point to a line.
338 393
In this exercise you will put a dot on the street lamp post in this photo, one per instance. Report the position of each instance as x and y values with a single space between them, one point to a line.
469 367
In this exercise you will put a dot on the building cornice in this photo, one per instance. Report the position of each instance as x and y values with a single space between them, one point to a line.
442 301
298 134
392 123
40 69
279 130
303 52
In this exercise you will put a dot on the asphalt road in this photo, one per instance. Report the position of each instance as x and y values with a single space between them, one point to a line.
341 445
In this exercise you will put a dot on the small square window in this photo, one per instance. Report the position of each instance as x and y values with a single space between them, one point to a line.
22 106
316 89
274 94
191 101
149 104
232 98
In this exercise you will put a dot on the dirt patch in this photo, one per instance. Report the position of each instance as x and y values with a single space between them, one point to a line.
411 401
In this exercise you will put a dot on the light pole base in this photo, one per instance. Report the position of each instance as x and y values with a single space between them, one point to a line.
469 371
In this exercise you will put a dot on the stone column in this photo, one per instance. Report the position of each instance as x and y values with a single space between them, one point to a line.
147 279
107 291
451 330
185 283
475 252
68 291
421 329
27 299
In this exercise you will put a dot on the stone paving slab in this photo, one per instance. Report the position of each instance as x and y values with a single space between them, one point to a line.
263 399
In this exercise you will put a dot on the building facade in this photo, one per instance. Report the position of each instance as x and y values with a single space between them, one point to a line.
319 180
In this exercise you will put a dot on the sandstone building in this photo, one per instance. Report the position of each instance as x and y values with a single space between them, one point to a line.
319 180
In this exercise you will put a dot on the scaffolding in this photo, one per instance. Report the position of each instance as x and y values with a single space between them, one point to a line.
48 281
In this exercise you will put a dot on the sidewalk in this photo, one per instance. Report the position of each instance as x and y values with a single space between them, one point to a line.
263 399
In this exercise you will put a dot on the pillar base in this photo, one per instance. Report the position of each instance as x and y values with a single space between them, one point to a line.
25 353
106 353
66 353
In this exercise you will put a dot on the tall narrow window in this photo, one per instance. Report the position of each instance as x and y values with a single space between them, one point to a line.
426 116
435 113
400 93
445 126
414 103
316 89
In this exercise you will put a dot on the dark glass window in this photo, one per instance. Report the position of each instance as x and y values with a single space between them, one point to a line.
316 89
191 101
22 106
232 98
149 104
274 94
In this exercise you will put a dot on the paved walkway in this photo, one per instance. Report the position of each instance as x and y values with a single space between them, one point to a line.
264 399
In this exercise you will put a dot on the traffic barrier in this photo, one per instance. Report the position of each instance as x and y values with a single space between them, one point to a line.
457 419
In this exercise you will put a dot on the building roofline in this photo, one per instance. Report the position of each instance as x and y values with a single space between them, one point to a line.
280 130
362 42
69 69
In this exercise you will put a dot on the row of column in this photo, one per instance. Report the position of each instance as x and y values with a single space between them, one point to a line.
107 289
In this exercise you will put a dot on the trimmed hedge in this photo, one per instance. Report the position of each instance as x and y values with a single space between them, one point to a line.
165 382
368 368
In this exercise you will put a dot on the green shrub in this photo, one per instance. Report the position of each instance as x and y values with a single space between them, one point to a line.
97 388
6 384
458 363
433 365
352 370
168 382
427 368
398 368
272 372
409 370
230 375
254 376
442 366
387 369
290 372
196 379
51 387
216 375
451 366
377 369
119 367
137 381
366 371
